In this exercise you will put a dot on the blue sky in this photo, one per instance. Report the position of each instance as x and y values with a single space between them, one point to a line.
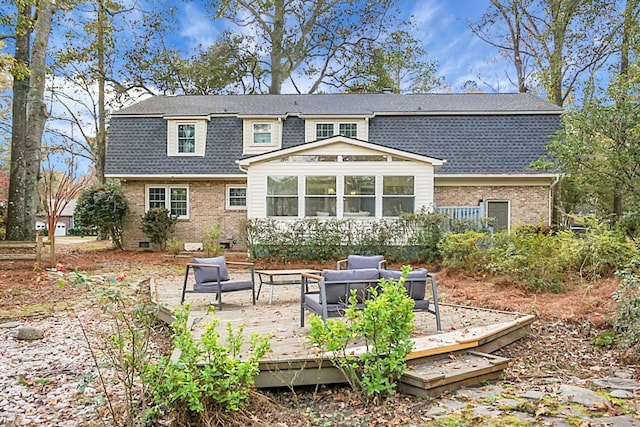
441 25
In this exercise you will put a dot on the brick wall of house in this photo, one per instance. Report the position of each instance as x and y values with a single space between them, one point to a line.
528 204
207 207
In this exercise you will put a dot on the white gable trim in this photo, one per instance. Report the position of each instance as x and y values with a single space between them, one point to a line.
245 163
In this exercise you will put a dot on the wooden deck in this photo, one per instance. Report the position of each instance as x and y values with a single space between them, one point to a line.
290 362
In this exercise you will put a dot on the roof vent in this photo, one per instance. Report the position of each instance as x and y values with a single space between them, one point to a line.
387 90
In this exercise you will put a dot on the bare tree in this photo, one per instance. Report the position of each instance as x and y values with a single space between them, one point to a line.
554 45
58 188
314 40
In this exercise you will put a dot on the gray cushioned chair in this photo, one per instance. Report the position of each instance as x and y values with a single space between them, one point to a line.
212 276
356 262
416 284
335 287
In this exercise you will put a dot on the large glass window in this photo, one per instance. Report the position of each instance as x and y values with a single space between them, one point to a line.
359 196
397 195
320 196
282 196
187 138
262 133
174 199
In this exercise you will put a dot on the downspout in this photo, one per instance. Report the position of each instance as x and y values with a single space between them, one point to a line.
552 188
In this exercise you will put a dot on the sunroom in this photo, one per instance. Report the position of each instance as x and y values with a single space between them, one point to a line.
338 177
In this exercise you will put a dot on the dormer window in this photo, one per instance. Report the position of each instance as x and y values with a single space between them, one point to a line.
322 128
262 133
326 130
186 138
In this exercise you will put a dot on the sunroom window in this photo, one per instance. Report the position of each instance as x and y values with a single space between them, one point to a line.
397 195
359 196
320 196
282 196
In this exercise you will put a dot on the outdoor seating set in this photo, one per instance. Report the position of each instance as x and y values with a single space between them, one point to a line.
334 287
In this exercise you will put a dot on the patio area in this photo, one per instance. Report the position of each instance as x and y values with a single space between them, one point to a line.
290 362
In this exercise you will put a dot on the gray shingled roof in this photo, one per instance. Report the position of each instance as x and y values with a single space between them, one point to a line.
338 104
474 133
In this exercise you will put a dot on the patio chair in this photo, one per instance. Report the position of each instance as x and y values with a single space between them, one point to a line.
212 276
355 262
416 284
334 290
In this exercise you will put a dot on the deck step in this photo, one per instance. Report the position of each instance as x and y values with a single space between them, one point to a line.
433 377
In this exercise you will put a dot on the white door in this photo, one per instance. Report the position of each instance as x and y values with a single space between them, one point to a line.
61 229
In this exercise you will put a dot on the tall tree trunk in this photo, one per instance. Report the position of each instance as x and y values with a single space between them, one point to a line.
36 110
17 227
627 29
101 136
31 114
277 38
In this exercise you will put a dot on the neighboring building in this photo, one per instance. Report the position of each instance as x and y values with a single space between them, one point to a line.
65 222
222 159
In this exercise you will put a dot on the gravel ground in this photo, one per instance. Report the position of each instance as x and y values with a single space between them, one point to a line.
49 381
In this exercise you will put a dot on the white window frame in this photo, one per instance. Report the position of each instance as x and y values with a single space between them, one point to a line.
228 198
195 138
167 198
200 136
271 143
311 127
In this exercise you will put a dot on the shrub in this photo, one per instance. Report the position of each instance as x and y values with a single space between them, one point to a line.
531 258
384 326
105 208
158 224
627 318
211 240
465 251
207 375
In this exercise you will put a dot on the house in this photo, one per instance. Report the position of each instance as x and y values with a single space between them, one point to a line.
65 221
223 159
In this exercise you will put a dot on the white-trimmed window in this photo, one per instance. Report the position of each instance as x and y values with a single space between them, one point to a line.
328 129
320 196
282 196
186 138
321 128
236 197
174 198
262 134
324 130
398 195
359 196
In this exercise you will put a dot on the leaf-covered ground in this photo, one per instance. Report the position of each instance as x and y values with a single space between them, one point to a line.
560 343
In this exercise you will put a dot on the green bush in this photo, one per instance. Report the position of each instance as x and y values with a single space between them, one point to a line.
627 318
410 238
211 240
384 328
466 251
158 224
208 375
103 207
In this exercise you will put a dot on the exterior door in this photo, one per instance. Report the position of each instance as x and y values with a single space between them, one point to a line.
500 212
